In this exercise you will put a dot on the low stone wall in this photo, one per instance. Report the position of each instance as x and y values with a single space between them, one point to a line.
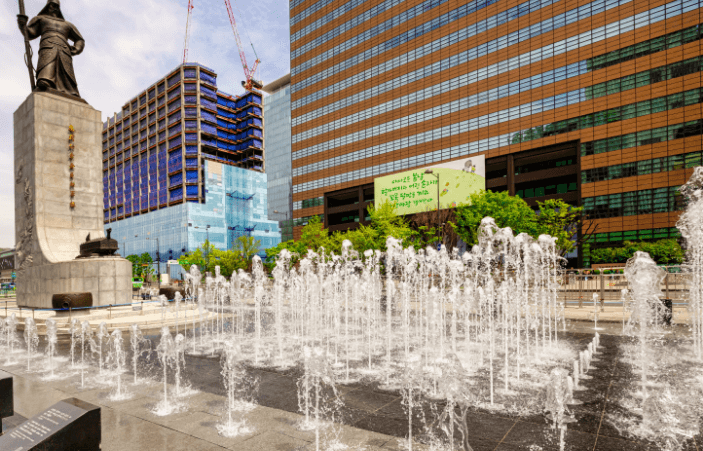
106 278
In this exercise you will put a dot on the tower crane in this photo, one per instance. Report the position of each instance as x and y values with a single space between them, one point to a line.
250 82
185 44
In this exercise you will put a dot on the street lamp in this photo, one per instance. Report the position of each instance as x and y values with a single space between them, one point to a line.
429 171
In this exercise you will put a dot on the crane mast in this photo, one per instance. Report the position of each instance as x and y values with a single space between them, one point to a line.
249 82
185 43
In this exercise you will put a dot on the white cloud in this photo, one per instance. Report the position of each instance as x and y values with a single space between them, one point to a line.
129 45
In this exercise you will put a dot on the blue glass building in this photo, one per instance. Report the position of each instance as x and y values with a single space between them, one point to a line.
182 162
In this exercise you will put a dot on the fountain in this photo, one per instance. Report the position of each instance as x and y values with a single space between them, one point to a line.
74 331
317 393
690 224
51 341
101 335
31 338
10 333
241 391
86 337
595 312
116 362
170 356
644 278
557 397
140 346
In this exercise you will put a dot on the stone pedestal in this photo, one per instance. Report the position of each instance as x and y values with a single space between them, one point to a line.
48 228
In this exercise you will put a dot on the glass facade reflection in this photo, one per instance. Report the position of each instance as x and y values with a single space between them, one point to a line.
235 205
383 88
278 154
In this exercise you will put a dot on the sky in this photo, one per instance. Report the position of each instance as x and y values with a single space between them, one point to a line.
130 44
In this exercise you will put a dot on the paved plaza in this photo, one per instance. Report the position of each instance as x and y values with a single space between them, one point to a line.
372 418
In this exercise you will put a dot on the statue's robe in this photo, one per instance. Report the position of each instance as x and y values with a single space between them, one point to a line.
55 63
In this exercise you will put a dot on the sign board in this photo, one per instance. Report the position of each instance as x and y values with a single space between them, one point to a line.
67 425
415 191
173 262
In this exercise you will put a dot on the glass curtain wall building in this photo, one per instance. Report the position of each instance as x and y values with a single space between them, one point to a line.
570 99
278 153
160 160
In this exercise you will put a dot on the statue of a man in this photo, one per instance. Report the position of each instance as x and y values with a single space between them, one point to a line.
55 66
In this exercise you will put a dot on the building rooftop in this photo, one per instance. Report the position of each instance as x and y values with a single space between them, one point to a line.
277 84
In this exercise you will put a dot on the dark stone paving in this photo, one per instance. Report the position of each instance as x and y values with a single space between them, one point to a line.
367 407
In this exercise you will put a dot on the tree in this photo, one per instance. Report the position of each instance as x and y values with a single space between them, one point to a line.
508 211
560 220
314 235
134 259
433 226
229 262
246 247
384 223
141 265
200 257
192 258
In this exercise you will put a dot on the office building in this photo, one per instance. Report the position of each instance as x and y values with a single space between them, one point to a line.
183 162
278 158
596 102
7 265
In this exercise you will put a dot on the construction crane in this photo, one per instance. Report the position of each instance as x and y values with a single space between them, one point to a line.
250 82
185 44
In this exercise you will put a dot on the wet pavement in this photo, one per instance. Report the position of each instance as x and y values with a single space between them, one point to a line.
370 408
373 418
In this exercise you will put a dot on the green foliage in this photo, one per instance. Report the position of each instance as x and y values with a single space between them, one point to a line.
664 252
384 223
560 220
245 247
207 257
508 211
138 262
555 217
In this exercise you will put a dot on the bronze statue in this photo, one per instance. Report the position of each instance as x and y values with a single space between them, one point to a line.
55 65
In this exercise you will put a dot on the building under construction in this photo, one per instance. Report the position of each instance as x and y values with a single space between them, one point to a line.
184 162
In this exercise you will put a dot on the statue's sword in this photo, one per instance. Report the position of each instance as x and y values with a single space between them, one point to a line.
27 50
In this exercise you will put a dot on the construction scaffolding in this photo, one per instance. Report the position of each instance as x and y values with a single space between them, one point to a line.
237 138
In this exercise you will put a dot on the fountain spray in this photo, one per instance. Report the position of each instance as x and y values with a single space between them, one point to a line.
31 338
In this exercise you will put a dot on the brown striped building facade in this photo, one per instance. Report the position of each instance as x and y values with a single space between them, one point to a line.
595 102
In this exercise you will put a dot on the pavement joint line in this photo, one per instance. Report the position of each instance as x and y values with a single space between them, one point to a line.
387 404
506 434
602 415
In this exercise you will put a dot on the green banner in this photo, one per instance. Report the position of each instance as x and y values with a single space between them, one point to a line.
415 191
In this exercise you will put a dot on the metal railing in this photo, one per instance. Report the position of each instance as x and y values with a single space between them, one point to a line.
578 286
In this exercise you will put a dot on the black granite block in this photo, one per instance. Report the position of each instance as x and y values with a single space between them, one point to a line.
7 408
12 422
70 424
